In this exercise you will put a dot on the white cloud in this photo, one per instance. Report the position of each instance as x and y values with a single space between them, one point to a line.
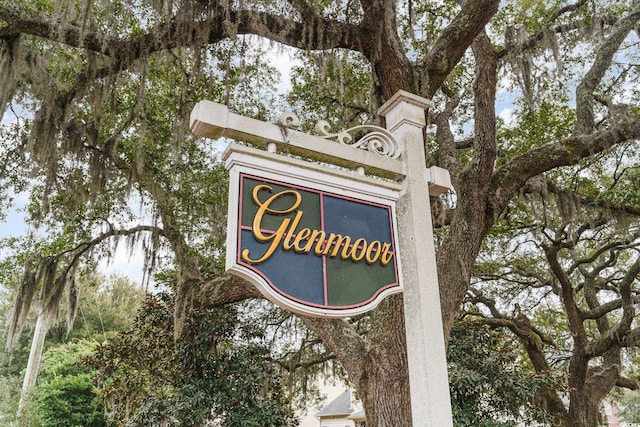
124 263
506 114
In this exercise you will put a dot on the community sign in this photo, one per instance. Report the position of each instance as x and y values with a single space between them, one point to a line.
313 239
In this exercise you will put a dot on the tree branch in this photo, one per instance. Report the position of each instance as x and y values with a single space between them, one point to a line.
566 9
472 185
447 157
344 342
632 339
511 176
606 308
19 21
225 289
484 113
613 248
535 39
465 143
628 383
574 317
454 41
83 247
623 328
602 62
552 188
183 30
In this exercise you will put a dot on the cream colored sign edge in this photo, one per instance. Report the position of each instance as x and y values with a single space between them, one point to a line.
241 159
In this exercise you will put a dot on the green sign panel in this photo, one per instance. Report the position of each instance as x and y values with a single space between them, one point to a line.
313 247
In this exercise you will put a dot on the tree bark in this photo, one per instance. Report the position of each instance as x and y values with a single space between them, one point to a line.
377 364
35 355
470 223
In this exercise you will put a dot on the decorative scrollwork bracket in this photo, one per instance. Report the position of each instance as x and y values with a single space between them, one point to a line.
288 119
377 140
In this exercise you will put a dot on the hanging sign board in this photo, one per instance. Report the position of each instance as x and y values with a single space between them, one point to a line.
313 239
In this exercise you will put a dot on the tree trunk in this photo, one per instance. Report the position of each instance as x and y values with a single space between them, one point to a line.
384 381
584 409
385 395
35 355
377 364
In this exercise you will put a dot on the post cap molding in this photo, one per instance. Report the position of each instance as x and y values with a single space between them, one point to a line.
404 107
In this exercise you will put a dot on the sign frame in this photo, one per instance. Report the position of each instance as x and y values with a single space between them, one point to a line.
246 161
405 120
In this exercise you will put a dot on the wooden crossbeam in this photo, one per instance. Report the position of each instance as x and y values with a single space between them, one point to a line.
213 120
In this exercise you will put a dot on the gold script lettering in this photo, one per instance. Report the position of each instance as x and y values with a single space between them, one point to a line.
305 240
266 208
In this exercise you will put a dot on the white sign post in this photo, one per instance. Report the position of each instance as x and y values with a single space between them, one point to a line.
404 163
428 380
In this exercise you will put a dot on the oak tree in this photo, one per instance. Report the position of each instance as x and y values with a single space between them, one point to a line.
99 94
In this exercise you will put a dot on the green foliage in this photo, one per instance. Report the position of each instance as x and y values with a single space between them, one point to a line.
533 128
106 306
98 124
70 401
216 370
9 395
631 406
489 386
65 395
336 84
